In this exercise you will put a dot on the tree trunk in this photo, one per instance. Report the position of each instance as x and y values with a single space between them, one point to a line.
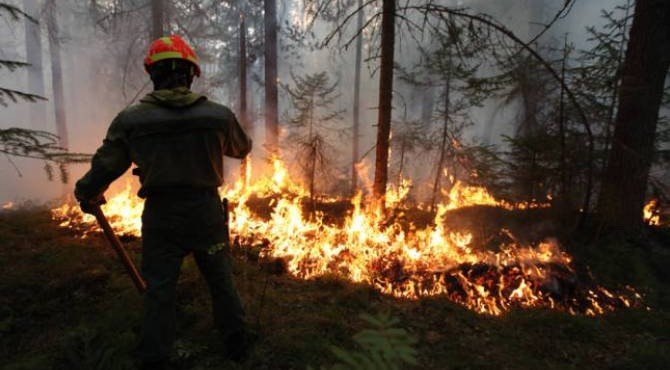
563 190
615 88
313 145
357 103
640 94
312 170
403 147
38 110
157 19
385 100
93 7
443 144
271 96
244 120
56 74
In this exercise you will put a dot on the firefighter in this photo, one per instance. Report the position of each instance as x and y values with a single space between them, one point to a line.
176 139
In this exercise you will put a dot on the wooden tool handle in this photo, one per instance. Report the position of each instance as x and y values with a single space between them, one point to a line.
128 263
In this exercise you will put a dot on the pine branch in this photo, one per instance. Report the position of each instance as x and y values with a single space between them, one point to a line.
15 96
16 13
499 28
35 144
42 145
13 65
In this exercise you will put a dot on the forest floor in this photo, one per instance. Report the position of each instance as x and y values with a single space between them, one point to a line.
66 303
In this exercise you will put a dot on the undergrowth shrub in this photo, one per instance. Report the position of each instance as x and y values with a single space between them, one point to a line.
383 346
87 349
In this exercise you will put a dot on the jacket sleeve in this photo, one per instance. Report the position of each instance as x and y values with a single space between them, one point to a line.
109 162
238 143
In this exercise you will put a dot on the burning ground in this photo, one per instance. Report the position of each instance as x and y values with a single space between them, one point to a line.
460 251
478 283
81 307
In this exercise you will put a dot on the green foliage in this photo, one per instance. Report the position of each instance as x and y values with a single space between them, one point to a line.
312 97
185 350
382 347
35 144
12 65
86 349
533 165
488 168
598 75
409 137
15 96
15 12
313 123
449 65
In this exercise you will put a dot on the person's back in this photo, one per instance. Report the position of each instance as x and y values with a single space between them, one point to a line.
177 140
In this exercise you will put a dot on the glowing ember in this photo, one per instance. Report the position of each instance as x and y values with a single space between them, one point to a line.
651 213
399 260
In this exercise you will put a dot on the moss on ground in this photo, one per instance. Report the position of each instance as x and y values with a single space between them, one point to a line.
66 304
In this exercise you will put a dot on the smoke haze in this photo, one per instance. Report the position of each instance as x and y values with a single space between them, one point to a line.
102 73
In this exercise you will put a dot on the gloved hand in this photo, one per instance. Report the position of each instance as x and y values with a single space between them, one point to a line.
89 205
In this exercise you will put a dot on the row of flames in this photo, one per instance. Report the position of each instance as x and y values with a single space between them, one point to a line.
399 260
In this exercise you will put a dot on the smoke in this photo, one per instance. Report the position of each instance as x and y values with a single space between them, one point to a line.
102 67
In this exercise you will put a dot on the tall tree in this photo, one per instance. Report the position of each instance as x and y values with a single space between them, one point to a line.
313 97
34 144
563 192
57 73
599 73
243 90
450 65
385 99
622 25
357 102
640 94
38 113
271 95
444 137
157 19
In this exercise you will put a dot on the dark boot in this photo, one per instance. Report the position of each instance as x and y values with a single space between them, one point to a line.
155 365
240 344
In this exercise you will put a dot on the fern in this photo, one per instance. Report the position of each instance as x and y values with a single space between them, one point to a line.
381 347
87 349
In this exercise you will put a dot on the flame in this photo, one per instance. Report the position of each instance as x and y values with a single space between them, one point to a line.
465 196
397 259
651 214
8 206
124 211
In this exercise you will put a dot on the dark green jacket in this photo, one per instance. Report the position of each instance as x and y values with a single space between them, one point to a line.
176 138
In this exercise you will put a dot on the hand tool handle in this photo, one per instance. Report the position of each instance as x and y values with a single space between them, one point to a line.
128 263
226 219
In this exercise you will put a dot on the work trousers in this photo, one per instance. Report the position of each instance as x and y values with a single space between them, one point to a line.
174 226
